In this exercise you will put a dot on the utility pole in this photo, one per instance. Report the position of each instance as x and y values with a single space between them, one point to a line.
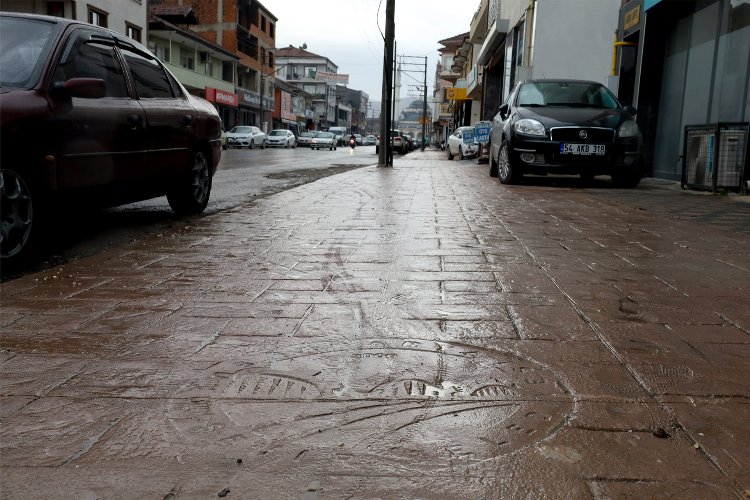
424 106
385 105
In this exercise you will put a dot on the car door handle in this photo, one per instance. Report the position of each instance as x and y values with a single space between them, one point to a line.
187 120
134 121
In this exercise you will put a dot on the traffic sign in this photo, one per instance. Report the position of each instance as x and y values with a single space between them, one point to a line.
482 130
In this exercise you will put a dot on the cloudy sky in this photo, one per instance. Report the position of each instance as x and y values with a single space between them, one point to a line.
346 31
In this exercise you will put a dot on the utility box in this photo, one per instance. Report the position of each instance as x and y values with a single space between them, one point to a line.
715 156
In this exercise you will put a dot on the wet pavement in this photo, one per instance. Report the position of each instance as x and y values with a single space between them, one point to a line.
415 332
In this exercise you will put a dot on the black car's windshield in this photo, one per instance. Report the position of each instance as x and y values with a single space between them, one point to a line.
24 47
569 94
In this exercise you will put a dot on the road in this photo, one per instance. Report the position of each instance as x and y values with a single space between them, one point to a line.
243 176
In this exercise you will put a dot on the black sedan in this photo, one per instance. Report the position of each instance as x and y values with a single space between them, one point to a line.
565 127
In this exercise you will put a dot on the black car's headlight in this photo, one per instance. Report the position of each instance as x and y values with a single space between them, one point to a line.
628 129
528 126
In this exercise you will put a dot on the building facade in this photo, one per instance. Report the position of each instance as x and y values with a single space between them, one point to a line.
316 75
128 17
683 63
247 29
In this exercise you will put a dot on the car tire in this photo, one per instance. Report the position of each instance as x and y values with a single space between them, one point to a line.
190 194
287 145
507 172
461 155
627 180
224 147
493 164
450 153
252 144
21 217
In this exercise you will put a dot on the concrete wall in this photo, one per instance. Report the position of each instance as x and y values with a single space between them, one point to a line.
574 39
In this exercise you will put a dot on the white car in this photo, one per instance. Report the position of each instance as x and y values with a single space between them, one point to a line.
324 140
246 136
461 143
281 138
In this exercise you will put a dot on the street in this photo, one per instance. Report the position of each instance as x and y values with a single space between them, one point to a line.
243 175
414 332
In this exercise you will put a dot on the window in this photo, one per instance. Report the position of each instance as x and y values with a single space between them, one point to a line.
263 24
270 59
56 9
272 30
89 56
97 17
519 38
187 62
148 75
133 32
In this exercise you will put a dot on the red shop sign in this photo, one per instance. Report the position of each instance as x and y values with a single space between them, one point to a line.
221 97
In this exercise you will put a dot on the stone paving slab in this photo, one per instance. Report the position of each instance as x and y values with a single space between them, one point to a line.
414 332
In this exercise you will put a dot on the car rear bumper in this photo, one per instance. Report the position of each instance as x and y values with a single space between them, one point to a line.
544 157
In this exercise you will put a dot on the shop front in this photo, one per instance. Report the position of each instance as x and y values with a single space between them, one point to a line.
225 103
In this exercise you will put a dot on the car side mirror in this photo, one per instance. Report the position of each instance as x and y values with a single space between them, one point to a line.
88 88
630 109
503 110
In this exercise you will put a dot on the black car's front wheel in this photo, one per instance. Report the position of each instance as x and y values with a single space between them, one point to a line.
17 226
507 171
190 194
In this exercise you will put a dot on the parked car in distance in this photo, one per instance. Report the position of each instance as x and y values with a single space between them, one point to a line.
397 143
305 138
461 143
324 140
281 138
358 139
90 117
246 136
370 140
565 127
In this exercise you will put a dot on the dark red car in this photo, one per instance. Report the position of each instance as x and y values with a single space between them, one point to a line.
88 116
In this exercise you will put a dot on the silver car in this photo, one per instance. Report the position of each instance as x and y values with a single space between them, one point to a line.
305 138
324 140
246 136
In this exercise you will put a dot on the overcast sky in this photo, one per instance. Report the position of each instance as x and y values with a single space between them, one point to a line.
346 32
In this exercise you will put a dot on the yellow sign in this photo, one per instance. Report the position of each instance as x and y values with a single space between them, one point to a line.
632 18
455 94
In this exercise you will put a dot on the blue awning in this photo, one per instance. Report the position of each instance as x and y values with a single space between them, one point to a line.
647 4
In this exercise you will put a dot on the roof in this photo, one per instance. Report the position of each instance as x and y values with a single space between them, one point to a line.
454 39
177 14
296 52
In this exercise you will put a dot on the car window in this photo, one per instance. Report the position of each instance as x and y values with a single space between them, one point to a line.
572 94
25 48
150 79
91 54
277 132
240 130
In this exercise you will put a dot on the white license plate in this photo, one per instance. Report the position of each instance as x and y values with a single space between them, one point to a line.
582 149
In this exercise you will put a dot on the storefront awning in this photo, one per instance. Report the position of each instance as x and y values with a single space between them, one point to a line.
495 35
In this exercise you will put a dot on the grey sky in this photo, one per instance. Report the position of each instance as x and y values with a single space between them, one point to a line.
347 33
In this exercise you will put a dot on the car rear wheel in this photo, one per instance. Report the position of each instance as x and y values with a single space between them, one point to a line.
191 192
18 227
507 172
